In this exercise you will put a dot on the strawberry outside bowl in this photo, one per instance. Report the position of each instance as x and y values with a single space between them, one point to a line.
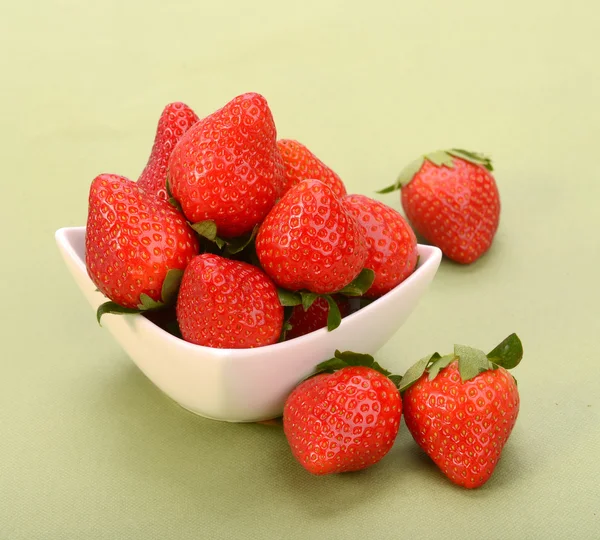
245 385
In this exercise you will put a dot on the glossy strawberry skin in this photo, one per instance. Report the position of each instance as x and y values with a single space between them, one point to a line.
391 241
311 241
227 167
456 209
132 239
463 427
228 304
301 164
340 422
175 120
315 317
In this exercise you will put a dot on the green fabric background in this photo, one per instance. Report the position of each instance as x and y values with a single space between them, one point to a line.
89 449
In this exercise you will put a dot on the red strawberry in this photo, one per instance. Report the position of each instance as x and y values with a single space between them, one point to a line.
462 410
342 421
301 164
174 121
315 317
132 240
227 167
392 243
227 304
310 240
452 200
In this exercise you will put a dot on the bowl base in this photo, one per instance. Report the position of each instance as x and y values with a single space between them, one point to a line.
202 415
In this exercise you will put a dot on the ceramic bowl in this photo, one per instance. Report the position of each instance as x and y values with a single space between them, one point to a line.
245 385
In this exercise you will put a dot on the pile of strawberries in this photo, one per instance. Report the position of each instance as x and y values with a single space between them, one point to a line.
231 226
231 238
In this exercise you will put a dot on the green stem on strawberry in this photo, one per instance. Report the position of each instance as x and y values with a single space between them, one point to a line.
360 284
168 295
471 361
343 359
170 286
334 317
288 298
473 157
240 243
207 230
508 353
308 299
350 358
115 309
440 363
357 287
440 158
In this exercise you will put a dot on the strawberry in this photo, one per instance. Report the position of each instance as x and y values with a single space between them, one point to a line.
301 164
392 243
174 121
462 407
230 304
315 317
310 240
451 199
343 421
227 168
136 246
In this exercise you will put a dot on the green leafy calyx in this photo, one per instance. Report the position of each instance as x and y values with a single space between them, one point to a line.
353 359
440 158
225 247
405 176
113 307
170 286
471 361
414 373
306 300
508 353
148 303
208 229
168 295
472 157
239 243
288 298
334 316
360 284
357 287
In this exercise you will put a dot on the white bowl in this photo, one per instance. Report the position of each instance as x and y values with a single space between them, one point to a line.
245 385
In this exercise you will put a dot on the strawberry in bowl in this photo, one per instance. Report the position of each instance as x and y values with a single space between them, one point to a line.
202 282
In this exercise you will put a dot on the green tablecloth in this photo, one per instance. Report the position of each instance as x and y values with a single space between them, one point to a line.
89 449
